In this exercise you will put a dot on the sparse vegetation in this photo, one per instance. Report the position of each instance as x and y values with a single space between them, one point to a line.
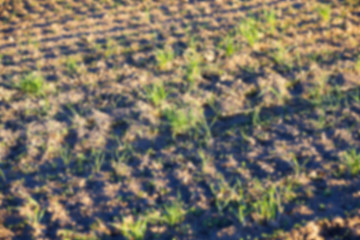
269 205
229 45
133 230
164 58
72 66
181 120
173 214
270 20
32 83
156 93
324 11
357 64
249 30
145 120
351 159
192 68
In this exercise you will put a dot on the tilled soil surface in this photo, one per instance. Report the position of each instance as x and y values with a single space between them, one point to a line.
179 119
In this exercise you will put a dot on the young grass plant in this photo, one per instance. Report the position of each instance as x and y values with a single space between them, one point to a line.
147 15
133 230
225 194
99 158
281 58
71 234
111 48
118 163
357 64
324 11
66 155
192 70
205 160
241 213
270 20
268 206
72 67
351 158
32 84
181 120
297 167
228 45
242 208
318 91
174 214
164 58
2 175
35 218
249 30
156 93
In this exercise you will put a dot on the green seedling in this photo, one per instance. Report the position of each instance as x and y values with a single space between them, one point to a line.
99 158
32 83
2 175
242 209
296 166
281 58
118 163
249 30
357 64
147 15
224 194
193 70
268 205
240 213
110 48
274 91
174 214
123 157
256 116
193 42
164 58
133 230
318 91
66 155
80 159
228 45
72 67
351 158
67 234
156 93
181 121
324 11
270 19
37 214
204 158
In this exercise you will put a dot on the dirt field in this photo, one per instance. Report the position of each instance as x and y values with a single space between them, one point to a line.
179 119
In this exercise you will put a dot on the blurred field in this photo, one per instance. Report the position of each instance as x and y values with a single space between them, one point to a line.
177 119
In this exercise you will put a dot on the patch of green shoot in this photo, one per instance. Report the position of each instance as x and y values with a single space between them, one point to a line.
72 66
164 57
270 19
133 230
174 214
32 83
228 45
193 70
180 120
324 11
248 29
156 93
351 158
